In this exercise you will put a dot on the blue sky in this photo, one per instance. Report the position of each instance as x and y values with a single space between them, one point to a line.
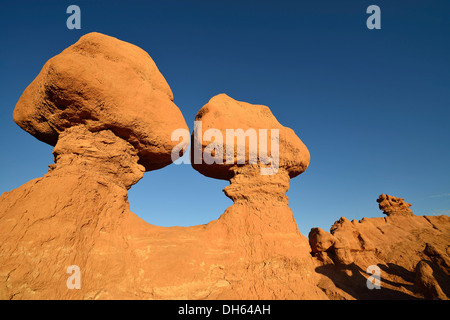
372 106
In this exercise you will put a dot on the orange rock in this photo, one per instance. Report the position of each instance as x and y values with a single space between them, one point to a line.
428 279
109 113
223 113
103 83
393 205
321 240
395 244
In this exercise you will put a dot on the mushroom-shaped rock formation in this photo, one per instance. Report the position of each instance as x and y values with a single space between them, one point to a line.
393 206
251 186
104 84
260 223
109 113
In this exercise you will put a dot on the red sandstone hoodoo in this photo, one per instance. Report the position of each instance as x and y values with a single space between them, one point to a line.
109 113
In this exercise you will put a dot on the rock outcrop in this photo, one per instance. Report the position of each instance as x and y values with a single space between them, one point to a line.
109 113
260 220
246 132
405 248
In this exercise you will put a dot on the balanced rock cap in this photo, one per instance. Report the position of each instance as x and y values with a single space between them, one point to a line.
103 83
223 112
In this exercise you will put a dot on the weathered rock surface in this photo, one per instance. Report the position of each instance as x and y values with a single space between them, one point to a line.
109 113
260 220
405 247
429 279
105 84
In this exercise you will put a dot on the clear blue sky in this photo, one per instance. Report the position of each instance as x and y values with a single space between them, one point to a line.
372 106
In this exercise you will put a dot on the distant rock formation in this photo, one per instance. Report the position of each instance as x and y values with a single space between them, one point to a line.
109 113
103 83
393 205
405 247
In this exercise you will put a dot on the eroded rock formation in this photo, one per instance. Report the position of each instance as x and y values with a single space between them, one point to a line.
406 248
109 113
224 114
104 84
393 205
